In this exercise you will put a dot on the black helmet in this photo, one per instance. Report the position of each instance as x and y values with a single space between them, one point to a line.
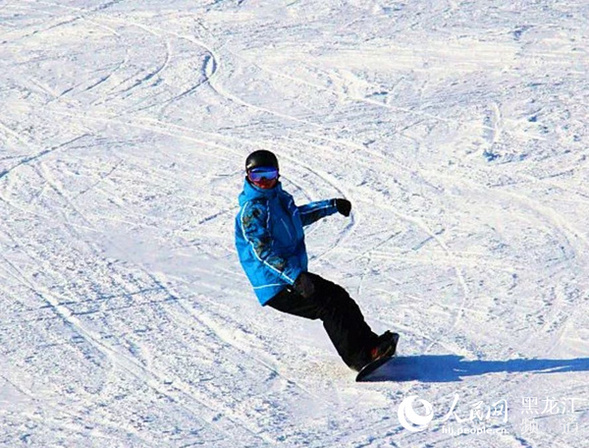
261 158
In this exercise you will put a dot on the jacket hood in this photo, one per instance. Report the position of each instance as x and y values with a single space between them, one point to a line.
252 192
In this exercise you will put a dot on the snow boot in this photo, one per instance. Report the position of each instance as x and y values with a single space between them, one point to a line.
385 346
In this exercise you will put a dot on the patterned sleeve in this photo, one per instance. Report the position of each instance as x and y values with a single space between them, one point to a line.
254 225
314 211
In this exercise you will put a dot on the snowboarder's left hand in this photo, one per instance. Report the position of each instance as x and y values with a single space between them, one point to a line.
343 206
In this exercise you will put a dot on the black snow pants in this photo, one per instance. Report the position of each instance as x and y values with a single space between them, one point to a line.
342 319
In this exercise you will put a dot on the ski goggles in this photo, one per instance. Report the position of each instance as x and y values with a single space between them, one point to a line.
259 174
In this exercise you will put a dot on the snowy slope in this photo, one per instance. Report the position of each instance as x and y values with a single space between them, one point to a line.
459 131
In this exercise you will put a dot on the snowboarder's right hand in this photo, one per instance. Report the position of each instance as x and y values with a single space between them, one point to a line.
304 285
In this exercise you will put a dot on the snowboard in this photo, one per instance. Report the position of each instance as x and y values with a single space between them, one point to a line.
374 365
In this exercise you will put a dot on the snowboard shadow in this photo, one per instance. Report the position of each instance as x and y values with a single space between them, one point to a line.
449 368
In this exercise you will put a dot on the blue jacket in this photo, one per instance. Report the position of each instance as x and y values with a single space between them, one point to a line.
269 237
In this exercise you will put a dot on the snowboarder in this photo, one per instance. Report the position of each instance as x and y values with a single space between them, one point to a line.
270 243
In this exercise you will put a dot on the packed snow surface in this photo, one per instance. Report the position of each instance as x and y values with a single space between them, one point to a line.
457 129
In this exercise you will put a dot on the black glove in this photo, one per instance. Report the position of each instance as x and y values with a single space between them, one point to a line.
304 286
343 206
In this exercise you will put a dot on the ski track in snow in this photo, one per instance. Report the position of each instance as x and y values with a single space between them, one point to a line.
458 131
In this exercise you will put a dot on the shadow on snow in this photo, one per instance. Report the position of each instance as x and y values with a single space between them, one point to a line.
448 368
